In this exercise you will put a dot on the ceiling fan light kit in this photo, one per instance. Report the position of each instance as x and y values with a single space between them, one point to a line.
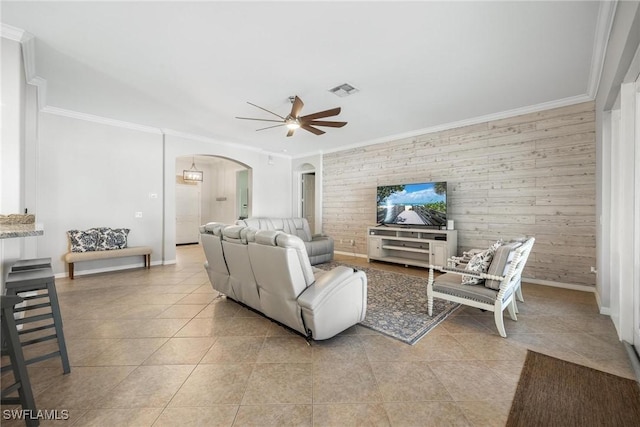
292 123
295 121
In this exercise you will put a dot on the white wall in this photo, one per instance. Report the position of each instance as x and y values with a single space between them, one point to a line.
93 174
98 175
219 181
11 150
270 185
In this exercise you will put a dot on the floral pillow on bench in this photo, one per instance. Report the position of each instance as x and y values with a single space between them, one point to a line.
98 239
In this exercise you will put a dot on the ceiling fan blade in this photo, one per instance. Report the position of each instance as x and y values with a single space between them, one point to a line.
312 129
296 107
321 114
269 127
264 109
326 123
260 120
291 131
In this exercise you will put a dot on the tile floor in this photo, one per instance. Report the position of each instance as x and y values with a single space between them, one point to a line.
158 348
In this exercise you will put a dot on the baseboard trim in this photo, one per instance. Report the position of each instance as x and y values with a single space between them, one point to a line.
572 286
634 358
77 273
350 254
601 308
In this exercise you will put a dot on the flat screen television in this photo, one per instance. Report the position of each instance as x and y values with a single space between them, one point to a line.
417 205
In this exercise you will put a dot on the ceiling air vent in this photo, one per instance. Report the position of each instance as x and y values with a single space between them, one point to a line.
343 90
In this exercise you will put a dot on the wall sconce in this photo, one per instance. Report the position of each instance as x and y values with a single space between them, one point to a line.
192 174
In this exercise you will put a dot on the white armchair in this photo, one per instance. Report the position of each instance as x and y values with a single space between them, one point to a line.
461 262
496 291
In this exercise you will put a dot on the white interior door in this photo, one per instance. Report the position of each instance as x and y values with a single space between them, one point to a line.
309 199
636 226
187 213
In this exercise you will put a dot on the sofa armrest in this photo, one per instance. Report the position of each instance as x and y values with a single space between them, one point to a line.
322 289
334 302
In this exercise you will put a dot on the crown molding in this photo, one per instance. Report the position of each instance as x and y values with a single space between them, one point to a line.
194 137
468 122
27 41
28 47
29 57
606 14
99 119
41 91
11 33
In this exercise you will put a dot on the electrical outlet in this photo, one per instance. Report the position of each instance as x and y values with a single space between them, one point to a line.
138 215
352 242
593 269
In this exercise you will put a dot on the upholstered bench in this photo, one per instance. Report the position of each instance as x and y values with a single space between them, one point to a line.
102 243
73 257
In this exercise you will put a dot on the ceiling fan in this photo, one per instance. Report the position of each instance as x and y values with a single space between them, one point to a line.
294 120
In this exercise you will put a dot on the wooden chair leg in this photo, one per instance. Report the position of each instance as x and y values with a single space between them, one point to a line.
71 270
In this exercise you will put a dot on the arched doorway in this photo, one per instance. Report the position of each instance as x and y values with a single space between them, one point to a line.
307 195
223 195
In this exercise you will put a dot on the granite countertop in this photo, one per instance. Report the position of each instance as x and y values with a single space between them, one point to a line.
9 231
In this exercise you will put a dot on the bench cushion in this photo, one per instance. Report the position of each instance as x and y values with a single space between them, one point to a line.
115 253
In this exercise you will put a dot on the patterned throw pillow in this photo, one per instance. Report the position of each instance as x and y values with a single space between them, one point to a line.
83 241
479 263
112 238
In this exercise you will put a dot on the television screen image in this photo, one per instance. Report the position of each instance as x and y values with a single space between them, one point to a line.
420 204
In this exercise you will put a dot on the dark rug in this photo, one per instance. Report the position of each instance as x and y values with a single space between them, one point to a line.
553 392
397 304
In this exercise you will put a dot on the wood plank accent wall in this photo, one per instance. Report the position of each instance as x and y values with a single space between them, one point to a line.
533 174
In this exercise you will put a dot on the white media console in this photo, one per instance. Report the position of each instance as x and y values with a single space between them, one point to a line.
411 246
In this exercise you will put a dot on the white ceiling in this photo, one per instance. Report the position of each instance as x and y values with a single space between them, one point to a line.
190 67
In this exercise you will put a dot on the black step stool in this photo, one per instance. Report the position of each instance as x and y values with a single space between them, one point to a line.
20 375
31 264
20 283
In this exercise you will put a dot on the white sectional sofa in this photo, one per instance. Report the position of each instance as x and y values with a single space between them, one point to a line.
319 247
269 271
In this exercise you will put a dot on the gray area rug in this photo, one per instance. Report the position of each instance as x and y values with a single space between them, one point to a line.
397 304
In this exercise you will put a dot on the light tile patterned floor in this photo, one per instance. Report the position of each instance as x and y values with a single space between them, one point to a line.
157 348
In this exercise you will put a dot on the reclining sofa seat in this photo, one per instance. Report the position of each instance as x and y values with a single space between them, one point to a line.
319 247
215 266
235 239
318 307
269 271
